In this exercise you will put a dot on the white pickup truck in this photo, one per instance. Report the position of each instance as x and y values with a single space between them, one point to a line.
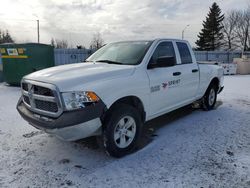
116 90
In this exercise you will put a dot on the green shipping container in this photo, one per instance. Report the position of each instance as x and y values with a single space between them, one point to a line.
1 69
21 59
1 72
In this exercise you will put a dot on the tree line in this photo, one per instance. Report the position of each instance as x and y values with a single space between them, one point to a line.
229 31
5 37
219 31
96 42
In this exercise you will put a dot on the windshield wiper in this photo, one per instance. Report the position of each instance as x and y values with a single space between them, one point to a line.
110 62
87 61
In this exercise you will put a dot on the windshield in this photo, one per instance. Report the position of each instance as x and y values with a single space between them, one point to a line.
127 53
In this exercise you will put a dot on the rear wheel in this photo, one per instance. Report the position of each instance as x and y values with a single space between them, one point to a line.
122 130
210 97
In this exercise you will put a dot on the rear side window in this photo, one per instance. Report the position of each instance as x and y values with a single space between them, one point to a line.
184 53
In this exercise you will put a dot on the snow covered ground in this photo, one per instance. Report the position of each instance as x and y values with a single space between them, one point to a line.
187 148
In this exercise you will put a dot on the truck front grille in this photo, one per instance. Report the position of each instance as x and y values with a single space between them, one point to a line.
46 106
41 98
25 86
43 91
26 99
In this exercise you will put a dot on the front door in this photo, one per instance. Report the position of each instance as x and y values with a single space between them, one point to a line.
164 81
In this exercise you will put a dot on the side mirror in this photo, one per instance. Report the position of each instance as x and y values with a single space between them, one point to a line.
163 61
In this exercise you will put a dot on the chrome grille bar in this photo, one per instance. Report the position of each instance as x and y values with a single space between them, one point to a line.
40 97
49 105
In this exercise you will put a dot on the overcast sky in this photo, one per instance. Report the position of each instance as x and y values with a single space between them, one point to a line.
77 20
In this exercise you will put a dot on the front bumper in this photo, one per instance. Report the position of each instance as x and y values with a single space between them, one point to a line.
79 131
71 125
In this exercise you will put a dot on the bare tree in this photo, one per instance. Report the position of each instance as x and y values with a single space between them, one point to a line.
248 15
52 42
229 26
97 41
57 43
242 28
61 43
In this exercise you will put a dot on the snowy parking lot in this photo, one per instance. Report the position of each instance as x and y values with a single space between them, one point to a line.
186 148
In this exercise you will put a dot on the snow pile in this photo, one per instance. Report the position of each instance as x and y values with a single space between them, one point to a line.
188 148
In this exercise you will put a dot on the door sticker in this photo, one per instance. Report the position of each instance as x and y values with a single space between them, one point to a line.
155 88
170 84
166 85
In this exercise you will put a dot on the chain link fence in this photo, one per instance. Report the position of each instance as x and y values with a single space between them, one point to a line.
68 56
219 56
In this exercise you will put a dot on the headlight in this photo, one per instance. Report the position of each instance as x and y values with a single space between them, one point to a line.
77 100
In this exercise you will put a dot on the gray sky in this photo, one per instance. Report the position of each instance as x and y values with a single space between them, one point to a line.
77 20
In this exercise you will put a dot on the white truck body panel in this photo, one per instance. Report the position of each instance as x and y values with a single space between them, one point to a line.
112 82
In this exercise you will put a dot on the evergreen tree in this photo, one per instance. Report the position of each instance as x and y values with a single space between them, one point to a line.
211 35
8 38
5 37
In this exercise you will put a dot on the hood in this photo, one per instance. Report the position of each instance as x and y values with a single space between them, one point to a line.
66 76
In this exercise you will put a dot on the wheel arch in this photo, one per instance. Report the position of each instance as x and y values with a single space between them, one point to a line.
131 100
204 100
216 82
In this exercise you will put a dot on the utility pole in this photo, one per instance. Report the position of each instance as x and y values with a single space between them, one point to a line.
182 35
38 32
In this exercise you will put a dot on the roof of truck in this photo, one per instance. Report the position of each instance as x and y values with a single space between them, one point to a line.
152 40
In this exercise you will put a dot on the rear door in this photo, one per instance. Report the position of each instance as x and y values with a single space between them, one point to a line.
164 81
189 72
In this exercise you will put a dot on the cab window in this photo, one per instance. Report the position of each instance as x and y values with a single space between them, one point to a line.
185 55
164 49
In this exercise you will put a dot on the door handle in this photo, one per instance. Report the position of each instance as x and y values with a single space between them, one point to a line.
176 73
195 70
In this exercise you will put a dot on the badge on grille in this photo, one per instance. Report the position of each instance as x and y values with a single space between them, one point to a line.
30 93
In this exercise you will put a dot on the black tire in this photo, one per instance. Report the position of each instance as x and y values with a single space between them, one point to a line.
117 114
208 102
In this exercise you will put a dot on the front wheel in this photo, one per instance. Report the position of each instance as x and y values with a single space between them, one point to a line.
210 97
122 130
